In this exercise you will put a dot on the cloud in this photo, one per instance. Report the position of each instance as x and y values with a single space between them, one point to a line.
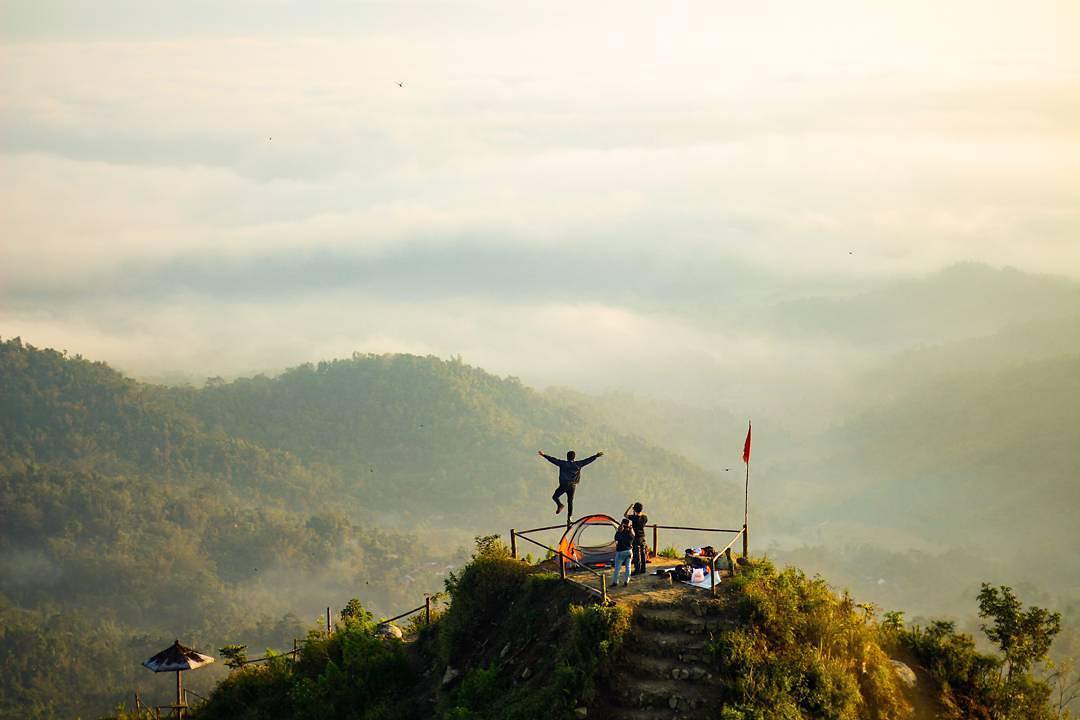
674 165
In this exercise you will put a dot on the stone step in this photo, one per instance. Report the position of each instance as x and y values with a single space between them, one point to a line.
691 667
664 644
664 713
634 692
671 620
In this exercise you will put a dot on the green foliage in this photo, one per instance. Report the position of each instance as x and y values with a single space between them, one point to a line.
974 684
491 582
804 652
966 677
671 553
593 642
126 522
1024 637
234 655
350 675
495 591
490 547
354 613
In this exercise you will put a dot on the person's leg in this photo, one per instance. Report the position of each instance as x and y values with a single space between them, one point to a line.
615 569
639 558
570 502
555 496
626 565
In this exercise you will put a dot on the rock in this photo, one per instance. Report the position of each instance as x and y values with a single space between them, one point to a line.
526 673
450 676
906 674
673 702
506 649
581 712
697 673
388 630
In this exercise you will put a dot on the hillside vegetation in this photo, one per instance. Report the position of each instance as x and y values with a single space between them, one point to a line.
517 644
132 514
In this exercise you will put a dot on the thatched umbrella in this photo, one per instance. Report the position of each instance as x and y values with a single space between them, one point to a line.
177 658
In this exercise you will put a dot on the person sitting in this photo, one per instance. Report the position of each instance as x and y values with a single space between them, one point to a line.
624 540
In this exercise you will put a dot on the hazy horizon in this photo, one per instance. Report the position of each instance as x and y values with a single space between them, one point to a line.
194 189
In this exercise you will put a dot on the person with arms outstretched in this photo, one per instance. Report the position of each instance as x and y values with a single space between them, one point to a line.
569 477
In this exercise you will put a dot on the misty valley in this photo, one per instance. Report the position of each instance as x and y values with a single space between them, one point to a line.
234 512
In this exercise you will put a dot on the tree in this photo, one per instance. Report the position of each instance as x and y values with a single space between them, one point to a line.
1023 636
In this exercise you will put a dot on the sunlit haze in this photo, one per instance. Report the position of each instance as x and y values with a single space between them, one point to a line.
199 188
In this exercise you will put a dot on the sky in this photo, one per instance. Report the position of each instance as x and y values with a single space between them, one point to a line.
573 195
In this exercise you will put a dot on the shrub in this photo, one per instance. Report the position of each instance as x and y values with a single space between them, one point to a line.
804 652
350 674
971 684
485 586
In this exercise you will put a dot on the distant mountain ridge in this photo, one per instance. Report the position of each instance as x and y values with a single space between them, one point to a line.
383 430
963 301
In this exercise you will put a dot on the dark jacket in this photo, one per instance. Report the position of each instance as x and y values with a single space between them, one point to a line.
639 521
623 539
570 470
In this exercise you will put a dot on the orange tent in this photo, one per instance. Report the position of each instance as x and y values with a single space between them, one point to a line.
602 554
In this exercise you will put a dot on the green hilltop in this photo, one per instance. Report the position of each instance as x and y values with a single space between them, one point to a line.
517 643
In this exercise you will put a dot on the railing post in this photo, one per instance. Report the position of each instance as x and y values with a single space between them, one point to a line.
603 589
513 544
427 609
712 575
745 542
562 565
655 542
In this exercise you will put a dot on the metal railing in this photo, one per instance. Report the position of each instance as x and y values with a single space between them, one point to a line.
425 608
563 557
602 592
711 561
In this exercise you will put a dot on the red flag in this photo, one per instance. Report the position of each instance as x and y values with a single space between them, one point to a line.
746 445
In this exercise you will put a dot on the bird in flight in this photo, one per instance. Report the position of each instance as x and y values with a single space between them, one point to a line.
401 83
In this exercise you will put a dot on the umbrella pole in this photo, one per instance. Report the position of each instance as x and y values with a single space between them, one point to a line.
179 696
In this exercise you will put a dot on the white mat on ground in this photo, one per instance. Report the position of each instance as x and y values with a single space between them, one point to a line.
704 582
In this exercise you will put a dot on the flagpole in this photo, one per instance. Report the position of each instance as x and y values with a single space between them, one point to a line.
746 493
746 514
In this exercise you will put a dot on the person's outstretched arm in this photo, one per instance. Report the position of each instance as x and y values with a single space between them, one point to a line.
586 461
626 512
553 461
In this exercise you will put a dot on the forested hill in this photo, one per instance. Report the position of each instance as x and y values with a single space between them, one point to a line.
407 437
422 438
134 513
